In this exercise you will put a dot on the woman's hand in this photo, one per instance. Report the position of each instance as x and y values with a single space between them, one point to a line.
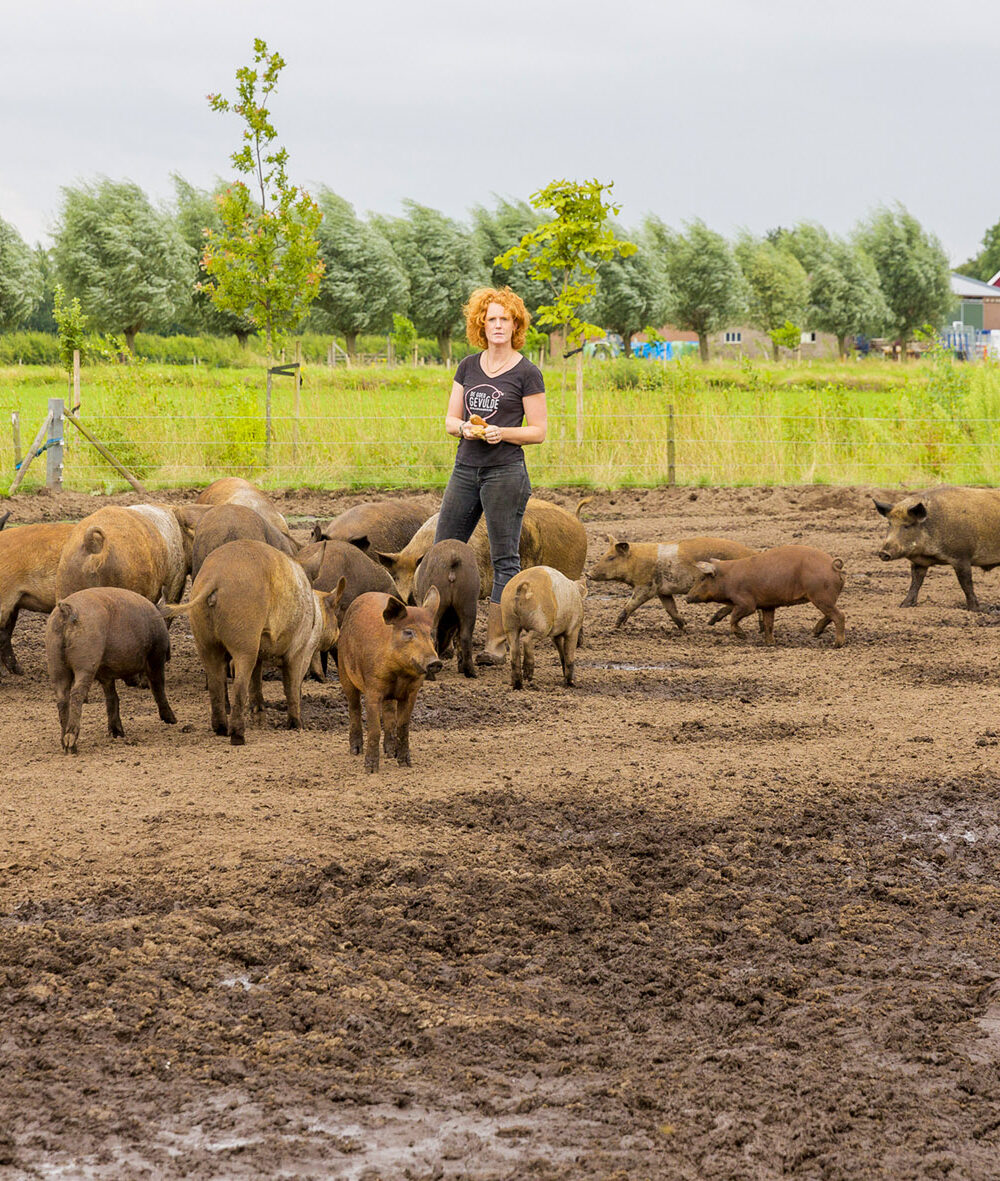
493 435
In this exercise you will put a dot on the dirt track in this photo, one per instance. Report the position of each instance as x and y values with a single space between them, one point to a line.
719 912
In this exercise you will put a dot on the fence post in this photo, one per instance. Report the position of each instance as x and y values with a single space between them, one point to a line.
76 380
15 430
54 454
671 467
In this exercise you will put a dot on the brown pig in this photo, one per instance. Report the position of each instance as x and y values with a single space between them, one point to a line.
234 522
103 634
116 547
779 577
451 567
957 527
663 570
541 602
379 524
29 558
251 603
235 490
384 653
550 536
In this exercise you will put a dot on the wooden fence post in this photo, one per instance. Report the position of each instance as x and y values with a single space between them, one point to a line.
671 466
54 453
76 380
15 430
33 450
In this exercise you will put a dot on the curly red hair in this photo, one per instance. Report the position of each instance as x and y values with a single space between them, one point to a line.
475 315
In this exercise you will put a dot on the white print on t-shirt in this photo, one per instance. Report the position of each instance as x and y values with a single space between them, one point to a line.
483 400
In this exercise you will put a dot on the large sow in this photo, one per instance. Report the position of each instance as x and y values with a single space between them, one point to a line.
947 526
222 523
29 559
380 524
236 490
121 547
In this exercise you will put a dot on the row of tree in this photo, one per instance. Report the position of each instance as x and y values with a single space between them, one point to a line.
134 267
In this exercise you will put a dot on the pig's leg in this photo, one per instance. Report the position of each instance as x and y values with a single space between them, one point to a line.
640 595
720 614
353 696
257 690
740 611
155 676
293 673
61 681
243 670
569 666
516 669
6 648
77 696
917 576
466 665
767 619
528 659
834 615
404 709
214 660
373 707
671 609
390 726
963 572
115 727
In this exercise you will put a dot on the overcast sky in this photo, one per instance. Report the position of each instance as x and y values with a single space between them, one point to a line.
745 114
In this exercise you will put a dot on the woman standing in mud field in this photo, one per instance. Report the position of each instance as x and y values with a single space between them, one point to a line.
507 392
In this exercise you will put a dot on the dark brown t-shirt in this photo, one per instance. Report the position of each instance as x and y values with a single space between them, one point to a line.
500 400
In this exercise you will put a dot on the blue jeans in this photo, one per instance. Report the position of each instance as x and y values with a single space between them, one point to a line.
501 494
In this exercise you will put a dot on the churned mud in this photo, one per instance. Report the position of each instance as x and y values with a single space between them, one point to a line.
718 912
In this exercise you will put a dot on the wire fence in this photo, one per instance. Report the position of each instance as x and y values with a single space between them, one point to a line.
617 449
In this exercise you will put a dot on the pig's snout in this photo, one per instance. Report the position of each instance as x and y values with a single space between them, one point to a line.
885 555
434 667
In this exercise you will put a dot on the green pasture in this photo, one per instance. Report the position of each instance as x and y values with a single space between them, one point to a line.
869 421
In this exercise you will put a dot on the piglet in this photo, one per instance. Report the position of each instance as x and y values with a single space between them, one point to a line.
384 652
104 633
779 577
451 567
541 602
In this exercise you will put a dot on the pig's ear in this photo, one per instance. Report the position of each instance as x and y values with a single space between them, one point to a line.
394 609
706 567
883 506
581 586
387 560
917 512
317 533
314 563
432 600
3 519
337 593
621 548
612 540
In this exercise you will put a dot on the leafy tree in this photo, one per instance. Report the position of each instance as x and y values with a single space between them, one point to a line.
122 258
495 232
777 288
264 260
441 265
987 262
71 325
632 291
41 318
404 336
20 281
363 281
197 213
708 291
845 298
565 251
912 268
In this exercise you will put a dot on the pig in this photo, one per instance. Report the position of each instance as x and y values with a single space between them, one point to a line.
235 490
163 519
550 536
538 602
117 547
104 633
250 603
326 562
234 522
29 558
779 577
4 519
662 570
451 567
384 653
947 526
383 525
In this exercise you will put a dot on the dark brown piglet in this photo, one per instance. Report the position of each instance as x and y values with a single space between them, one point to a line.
779 577
104 634
384 652
451 567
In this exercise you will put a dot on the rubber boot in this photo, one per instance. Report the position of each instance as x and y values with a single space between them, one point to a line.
495 651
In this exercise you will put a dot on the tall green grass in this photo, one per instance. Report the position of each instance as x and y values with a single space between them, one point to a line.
733 423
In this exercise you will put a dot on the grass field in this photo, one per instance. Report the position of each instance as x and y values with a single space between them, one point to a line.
733 423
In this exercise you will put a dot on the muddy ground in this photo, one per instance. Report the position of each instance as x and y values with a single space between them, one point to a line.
718 912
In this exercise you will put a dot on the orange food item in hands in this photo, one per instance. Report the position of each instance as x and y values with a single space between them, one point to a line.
478 425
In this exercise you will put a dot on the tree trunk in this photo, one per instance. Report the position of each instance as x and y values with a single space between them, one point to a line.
444 344
627 343
243 337
774 351
703 346
351 344
130 335
842 347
